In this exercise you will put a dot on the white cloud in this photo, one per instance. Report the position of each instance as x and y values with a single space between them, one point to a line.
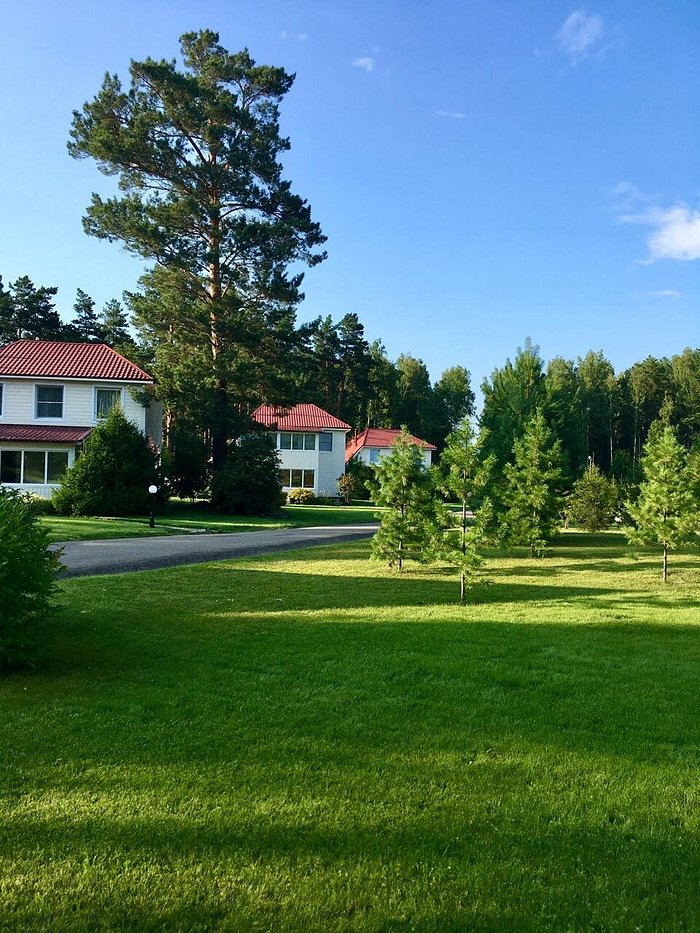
303 36
451 114
579 34
676 233
665 293
367 64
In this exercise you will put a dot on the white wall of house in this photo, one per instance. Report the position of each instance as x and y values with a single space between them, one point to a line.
326 465
79 402
373 454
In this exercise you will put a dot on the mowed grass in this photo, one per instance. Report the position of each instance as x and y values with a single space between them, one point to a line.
307 742
179 517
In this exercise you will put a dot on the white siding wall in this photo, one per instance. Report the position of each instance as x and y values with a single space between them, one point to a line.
78 403
327 464
363 454
331 465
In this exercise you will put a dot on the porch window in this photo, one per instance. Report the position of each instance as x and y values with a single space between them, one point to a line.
10 466
49 402
36 467
296 479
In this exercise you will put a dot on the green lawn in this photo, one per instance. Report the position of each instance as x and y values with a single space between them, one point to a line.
307 742
180 516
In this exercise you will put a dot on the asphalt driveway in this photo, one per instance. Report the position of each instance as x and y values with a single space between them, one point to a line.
125 555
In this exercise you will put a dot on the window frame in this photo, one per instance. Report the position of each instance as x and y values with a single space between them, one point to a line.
119 400
2 399
49 385
323 435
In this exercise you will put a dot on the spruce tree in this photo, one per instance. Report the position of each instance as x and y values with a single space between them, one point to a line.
404 488
666 511
532 494
465 474
114 323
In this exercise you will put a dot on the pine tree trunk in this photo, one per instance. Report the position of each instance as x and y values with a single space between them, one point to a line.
665 574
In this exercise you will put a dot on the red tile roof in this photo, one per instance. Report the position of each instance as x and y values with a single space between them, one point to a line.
53 434
298 418
51 359
380 437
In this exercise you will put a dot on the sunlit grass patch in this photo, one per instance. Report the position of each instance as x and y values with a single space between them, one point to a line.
308 741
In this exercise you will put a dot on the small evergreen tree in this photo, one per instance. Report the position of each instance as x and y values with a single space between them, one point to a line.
249 482
402 486
593 500
465 474
532 494
113 474
666 511
26 575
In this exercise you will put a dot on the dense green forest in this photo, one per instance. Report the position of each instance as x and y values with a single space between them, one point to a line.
601 417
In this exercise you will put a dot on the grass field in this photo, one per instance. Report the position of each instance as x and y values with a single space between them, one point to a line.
178 517
306 742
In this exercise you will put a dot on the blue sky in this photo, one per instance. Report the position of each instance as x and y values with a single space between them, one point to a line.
484 171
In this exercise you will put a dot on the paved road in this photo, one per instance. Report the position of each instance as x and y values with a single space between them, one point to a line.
124 555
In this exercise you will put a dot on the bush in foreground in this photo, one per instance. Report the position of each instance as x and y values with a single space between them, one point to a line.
26 575
113 474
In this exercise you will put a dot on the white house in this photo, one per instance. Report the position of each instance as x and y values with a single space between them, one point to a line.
52 394
311 446
375 443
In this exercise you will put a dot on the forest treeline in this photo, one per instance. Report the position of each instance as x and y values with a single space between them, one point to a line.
601 417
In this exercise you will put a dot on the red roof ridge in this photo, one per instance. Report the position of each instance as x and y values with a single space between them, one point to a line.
56 359
304 416
380 437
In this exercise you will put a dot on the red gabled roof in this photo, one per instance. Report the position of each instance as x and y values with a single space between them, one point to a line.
380 437
52 434
298 418
51 359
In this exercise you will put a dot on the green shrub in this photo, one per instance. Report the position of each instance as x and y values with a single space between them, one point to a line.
187 464
301 496
356 482
26 576
249 482
113 474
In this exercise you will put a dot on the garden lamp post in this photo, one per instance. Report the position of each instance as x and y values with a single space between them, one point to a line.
152 520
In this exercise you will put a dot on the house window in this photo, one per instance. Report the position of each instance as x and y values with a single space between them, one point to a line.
32 466
10 466
105 400
2 398
49 402
56 465
289 441
296 479
325 441
374 454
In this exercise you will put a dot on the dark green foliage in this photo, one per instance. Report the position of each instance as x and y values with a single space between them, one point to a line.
113 474
197 151
593 502
358 475
27 570
667 511
114 323
249 483
533 492
28 311
404 488
186 463
464 475
86 323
